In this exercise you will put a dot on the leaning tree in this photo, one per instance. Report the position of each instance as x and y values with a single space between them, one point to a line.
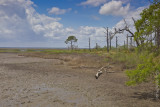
149 25
127 29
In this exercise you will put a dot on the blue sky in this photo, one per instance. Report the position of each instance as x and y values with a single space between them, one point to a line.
47 23
78 16
83 15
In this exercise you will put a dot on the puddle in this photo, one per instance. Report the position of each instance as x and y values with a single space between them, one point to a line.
62 94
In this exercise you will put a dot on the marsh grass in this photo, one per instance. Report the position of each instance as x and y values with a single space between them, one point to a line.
84 57
127 58
6 50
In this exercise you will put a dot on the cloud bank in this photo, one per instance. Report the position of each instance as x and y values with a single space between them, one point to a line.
114 8
94 3
22 25
58 11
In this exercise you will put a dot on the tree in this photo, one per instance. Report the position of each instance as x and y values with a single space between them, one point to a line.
71 40
149 25
149 69
109 37
149 17
97 46
126 28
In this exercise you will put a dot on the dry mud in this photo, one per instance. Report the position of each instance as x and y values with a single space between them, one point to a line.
38 82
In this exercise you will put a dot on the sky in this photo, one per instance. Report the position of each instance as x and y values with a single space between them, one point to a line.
48 23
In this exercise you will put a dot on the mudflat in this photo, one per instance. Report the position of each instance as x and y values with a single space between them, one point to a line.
44 82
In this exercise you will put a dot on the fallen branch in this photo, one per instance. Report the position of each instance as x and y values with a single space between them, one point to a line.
103 69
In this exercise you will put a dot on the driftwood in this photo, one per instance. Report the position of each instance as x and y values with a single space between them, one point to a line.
103 69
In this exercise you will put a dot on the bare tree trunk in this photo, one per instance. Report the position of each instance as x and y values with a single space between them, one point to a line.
116 42
71 46
151 41
96 46
158 38
130 42
107 41
107 38
127 41
110 42
89 45
155 37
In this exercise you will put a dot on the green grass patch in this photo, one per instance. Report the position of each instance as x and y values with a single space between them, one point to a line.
10 50
129 58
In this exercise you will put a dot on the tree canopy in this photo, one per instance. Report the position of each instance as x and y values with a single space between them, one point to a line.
71 40
148 29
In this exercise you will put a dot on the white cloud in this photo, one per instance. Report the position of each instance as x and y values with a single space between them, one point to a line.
91 31
58 11
94 3
114 8
135 14
125 1
21 24
96 34
13 19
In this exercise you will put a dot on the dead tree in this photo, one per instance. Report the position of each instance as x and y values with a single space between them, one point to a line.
111 35
89 44
126 28
157 37
130 42
116 42
107 38
110 40
127 41
96 46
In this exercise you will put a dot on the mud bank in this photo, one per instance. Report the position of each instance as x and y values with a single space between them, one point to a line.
38 82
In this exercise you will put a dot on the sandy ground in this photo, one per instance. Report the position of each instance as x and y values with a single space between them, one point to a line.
37 82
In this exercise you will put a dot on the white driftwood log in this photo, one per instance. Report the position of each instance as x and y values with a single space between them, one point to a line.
103 69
